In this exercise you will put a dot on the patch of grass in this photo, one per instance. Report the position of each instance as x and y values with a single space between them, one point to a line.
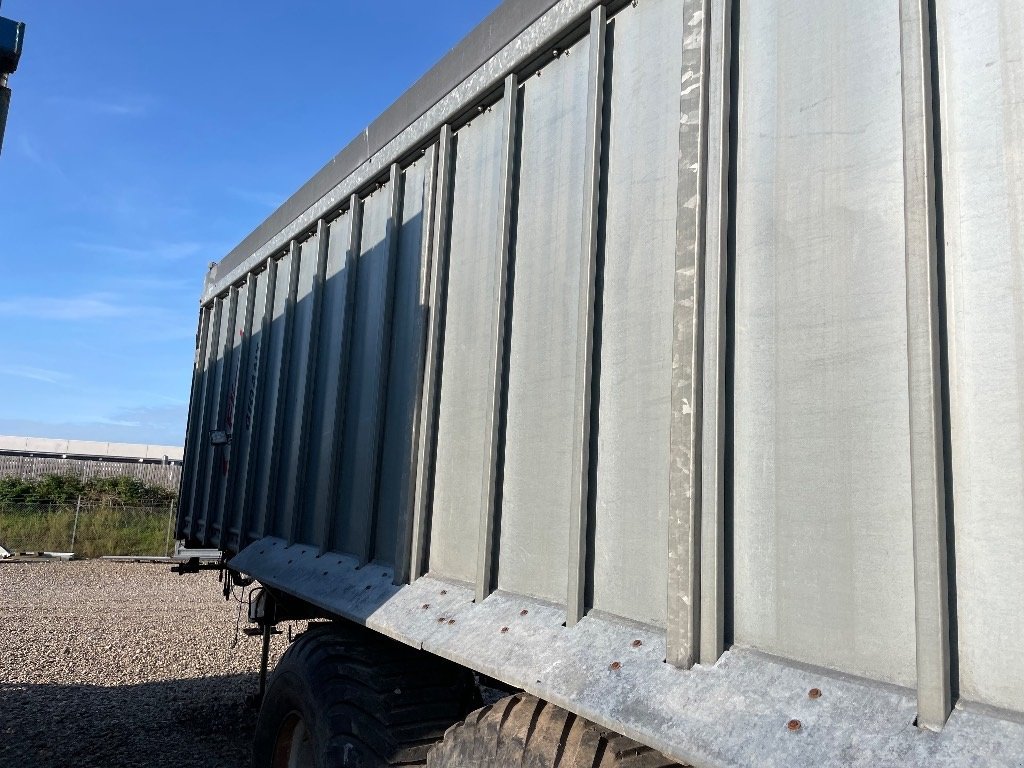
66 489
101 530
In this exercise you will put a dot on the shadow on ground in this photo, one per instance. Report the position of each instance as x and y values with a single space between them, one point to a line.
206 722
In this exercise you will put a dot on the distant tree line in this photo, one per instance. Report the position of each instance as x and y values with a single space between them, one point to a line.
121 491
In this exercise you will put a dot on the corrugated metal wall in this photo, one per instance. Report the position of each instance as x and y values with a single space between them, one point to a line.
488 363
822 427
982 108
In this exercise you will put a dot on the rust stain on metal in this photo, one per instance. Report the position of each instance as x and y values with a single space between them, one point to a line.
814 693
615 665
793 725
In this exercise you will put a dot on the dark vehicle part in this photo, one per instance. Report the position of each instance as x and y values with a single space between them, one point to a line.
656 336
195 565
344 695
527 732
12 36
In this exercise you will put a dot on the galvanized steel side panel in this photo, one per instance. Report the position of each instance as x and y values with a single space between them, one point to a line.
323 438
194 433
634 356
464 418
538 470
294 395
273 394
245 425
212 466
366 377
406 361
233 385
823 547
982 98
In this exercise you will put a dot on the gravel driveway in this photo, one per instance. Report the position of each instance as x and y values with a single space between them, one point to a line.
122 664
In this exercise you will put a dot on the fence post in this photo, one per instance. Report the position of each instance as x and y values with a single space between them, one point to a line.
74 529
170 525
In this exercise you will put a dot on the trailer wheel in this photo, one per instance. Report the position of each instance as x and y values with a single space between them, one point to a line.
526 732
345 696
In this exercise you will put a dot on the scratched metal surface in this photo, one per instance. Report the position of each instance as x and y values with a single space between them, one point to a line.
233 410
244 425
210 462
469 317
323 437
734 713
637 240
538 474
354 507
982 123
273 394
823 551
405 364
288 501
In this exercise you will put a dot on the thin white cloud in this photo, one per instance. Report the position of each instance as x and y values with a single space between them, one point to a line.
28 149
263 199
119 106
161 251
34 374
85 307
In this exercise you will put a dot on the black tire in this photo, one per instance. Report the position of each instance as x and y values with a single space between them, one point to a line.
526 732
343 695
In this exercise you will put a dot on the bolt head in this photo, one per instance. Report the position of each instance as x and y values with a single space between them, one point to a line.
814 693
504 630
793 725
615 665
637 643
523 612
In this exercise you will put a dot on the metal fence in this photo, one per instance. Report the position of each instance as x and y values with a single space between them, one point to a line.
87 530
34 467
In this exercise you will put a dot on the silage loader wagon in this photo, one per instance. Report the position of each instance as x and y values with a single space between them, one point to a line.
661 362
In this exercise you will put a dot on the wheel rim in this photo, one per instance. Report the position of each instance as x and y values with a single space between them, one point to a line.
294 746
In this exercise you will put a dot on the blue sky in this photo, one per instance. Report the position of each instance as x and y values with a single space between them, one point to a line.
146 140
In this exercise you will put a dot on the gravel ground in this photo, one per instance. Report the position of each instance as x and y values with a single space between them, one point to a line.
123 664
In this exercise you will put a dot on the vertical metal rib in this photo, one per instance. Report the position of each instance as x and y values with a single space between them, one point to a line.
712 498
687 354
926 458
355 211
195 409
485 544
579 501
214 474
427 439
407 501
302 449
382 346
202 443
270 523
244 350
257 429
